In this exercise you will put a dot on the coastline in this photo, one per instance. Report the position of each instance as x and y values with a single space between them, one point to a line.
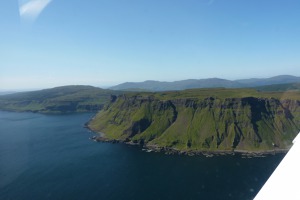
173 151
100 137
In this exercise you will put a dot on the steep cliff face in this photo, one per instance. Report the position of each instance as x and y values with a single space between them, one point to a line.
212 123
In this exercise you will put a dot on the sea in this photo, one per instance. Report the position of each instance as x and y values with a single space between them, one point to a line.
52 157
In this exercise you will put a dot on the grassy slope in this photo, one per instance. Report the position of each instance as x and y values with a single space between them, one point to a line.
204 119
57 100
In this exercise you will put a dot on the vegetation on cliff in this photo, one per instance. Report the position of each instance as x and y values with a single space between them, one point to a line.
203 119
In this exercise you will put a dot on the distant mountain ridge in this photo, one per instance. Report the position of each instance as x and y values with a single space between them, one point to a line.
151 85
282 79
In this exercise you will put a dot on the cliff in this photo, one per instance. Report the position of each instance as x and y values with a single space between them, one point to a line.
203 120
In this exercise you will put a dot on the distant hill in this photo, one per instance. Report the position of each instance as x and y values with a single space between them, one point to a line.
178 85
76 98
204 83
6 92
282 79
80 98
279 87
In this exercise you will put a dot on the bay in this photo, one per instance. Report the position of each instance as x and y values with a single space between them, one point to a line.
52 157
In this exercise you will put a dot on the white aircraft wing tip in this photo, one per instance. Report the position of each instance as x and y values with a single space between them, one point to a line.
297 138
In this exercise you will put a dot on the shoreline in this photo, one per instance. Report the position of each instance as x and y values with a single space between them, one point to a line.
173 151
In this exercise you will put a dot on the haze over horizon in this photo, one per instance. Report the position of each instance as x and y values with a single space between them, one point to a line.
48 43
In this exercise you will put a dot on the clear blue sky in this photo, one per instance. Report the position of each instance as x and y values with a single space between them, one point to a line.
106 42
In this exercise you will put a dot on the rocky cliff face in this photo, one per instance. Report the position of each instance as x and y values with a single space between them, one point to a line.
206 124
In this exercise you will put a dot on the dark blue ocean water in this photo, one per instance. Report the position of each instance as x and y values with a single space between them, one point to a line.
51 157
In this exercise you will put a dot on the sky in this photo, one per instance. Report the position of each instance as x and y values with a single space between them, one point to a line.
49 43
